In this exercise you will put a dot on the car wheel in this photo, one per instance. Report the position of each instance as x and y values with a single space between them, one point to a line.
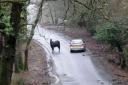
84 50
71 51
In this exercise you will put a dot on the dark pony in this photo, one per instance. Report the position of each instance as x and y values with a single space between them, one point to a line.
54 44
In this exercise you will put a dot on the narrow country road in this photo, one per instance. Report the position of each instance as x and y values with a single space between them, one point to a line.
72 68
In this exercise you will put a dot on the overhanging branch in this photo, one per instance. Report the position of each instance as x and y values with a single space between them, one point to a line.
82 4
12 1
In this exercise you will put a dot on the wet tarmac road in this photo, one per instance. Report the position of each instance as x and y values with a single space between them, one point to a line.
72 68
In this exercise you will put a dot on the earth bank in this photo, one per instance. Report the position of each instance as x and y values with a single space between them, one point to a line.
38 71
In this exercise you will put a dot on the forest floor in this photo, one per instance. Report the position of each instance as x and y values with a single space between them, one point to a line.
37 65
99 50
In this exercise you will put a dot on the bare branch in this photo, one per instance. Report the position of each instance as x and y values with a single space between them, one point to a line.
50 10
12 1
67 10
32 33
82 4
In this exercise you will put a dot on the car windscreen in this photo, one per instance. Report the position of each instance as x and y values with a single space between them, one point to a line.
76 42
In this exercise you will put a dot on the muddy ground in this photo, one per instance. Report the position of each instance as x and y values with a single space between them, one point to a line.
37 65
101 52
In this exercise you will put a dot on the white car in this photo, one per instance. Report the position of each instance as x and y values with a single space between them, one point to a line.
77 45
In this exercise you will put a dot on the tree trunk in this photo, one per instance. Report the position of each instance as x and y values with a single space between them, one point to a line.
31 35
15 19
8 54
26 59
122 57
50 10
6 67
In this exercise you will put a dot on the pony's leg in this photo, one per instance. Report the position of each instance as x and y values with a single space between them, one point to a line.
59 46
59 49
53 50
